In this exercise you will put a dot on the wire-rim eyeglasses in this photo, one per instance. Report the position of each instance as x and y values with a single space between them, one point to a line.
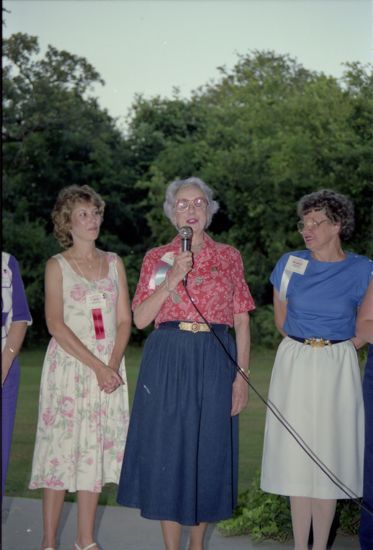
182 205
301 225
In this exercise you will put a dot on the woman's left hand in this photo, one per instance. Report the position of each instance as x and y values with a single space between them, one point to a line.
240 395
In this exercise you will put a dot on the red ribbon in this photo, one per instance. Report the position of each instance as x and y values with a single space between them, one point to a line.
98 323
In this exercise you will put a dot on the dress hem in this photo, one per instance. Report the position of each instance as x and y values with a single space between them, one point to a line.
306 493
171 517
74 490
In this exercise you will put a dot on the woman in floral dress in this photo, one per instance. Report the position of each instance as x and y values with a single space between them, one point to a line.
83 406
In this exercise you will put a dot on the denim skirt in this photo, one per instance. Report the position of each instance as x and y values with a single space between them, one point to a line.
181 456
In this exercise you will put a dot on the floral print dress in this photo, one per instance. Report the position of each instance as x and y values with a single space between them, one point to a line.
81 430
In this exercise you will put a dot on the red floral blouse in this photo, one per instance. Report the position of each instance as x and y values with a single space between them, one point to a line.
216 284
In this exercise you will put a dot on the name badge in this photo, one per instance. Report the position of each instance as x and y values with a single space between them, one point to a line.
95 300
296 265
160 270
293 265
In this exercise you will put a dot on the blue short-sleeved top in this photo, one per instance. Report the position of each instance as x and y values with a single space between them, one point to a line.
323 301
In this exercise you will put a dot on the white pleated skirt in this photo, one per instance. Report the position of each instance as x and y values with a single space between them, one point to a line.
319 392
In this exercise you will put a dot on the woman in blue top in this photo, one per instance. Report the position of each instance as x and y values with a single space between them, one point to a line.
364 329
316 381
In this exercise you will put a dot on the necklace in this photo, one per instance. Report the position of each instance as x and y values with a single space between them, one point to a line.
89 266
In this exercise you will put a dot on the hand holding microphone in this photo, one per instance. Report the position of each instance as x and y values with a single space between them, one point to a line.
183 262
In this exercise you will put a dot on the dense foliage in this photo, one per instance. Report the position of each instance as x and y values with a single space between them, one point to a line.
266 133
267 516
55 135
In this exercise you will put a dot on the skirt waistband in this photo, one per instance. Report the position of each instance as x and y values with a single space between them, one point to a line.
316 342
192 326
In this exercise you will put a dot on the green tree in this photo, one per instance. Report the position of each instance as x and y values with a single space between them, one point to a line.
264 135
55 134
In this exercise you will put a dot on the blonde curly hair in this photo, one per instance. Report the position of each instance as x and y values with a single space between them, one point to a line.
67 199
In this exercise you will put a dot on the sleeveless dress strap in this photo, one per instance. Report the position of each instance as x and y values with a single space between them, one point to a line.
113 264
61 261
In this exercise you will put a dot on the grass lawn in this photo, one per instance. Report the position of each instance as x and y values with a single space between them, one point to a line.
251 422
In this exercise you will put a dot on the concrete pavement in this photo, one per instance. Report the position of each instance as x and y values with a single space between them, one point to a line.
118 528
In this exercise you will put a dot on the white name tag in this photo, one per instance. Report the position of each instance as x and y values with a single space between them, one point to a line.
296 265
293 265
95 300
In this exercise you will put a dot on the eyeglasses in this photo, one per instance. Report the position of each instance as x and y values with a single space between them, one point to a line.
310 225
182 205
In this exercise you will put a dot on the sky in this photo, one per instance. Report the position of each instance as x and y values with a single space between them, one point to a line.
149 47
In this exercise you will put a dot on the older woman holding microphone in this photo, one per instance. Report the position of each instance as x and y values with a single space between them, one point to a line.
180 464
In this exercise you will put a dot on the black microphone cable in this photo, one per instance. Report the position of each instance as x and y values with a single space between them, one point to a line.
280 417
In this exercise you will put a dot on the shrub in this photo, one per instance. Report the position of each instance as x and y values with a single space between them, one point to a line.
266 516
261 515
263 328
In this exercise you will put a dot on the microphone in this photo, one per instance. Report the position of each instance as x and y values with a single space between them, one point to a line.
186 234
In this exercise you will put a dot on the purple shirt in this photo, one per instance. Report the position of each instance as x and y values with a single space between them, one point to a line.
14 304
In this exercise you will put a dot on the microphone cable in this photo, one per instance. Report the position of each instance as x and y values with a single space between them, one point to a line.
280 417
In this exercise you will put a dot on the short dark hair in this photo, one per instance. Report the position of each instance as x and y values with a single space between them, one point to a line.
337 207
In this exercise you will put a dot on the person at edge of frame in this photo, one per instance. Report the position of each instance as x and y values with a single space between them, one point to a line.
364 330
16 318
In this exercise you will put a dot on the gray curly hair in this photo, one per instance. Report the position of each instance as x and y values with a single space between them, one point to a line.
337 207
175 186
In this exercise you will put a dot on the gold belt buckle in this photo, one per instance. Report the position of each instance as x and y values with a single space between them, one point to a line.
317 342
194 327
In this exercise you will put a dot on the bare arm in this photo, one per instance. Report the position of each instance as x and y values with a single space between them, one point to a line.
64 335
364 324
124 319
147 311
240 390
14 340
280 309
